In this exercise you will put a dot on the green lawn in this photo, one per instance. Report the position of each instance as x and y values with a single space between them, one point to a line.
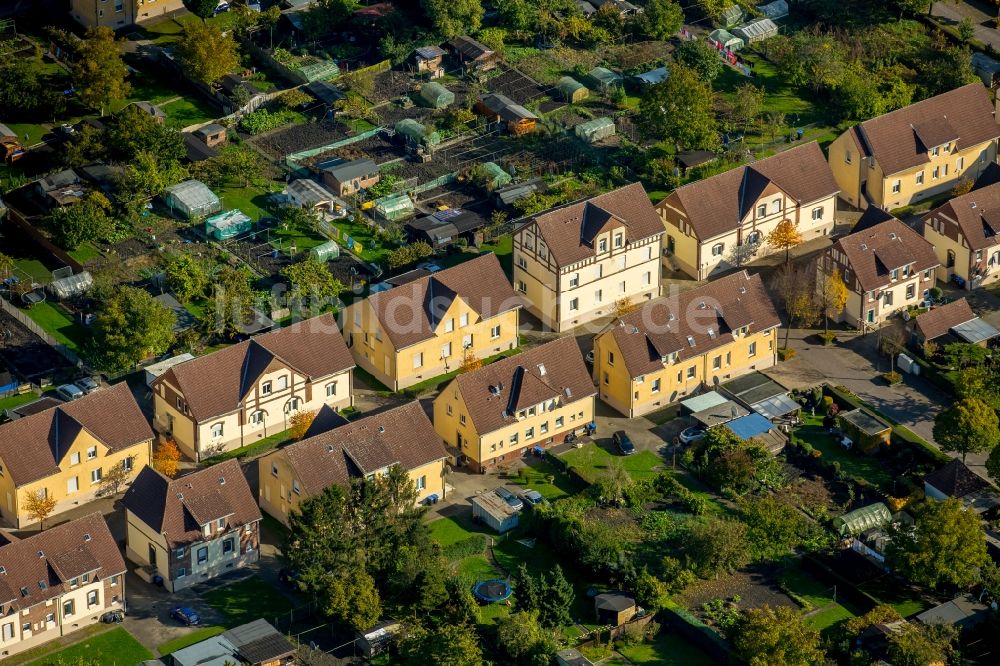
853 462
248 600
447 531
536 477
34 131
112 647
190 110
285 238
698 490
822 610
85 253
59 324
184 641
591 460
12 401
667 649
250 200
259 447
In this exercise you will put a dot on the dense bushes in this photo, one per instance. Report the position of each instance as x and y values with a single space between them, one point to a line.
472 545
262 120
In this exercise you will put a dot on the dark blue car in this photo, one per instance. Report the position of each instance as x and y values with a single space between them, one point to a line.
186 616
623 443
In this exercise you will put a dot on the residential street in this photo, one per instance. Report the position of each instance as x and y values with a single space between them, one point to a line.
955 11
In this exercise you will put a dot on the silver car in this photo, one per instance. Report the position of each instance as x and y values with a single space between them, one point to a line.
69 392
87 385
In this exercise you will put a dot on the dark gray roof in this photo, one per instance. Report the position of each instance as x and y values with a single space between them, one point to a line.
258 642
353 169
325 91
429 52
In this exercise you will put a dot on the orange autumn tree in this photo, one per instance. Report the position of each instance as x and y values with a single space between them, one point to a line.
39 505
298 424
166 457
784 236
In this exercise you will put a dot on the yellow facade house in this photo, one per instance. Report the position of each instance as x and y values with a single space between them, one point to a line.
887 267
65 452
117 14
360 449
964 234
244 393
916 152
498 413
55 582
722 222
431 325
575 262
675 345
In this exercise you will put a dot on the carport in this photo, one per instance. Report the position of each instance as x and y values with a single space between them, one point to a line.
762 395
702 402
755 426
724 412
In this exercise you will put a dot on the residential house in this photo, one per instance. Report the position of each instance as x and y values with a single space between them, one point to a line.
672 346
244 393
474 55
956 481
499 108
723 221
346 178
117 14
575 262
964 234
886 266
55 582
65 452
951 322
537 398
192 528
256 643
359 449
432 325
918 151
151 110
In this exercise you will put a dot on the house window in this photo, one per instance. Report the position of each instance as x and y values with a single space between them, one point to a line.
543 428
522 287
597 295
217 430
574 304
776 206
69 608
95 475
848 157
513 439
717 362
691 372
128 463
91 598
461 418
179 553
466 341
74 458
960 164
495 332
934 151
655 386
265 388
449 325
935 172
894 275
817 213
529 433
717 249
221 523
603 245
274 470
920 178
292 405
619 240
448 409
228 546
911 291
283 379
607 380
421 483
91 453
418 360
378 334
463 319
51 617
257 417
611 358
72 485
181 572
446 350
762 210
896 186
203 555
752 349
560 421
331 389
647 278
521 262
180 404
887 298
574 280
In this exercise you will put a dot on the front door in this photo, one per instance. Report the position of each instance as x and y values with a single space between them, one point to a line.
152 556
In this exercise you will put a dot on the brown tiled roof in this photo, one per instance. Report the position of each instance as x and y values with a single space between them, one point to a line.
568 231
705 315
54 557
36 406
938 321
403 435
901 139
217 383
33 447
977 214
495 392
177 508
875 251
718 204
411 312
956 480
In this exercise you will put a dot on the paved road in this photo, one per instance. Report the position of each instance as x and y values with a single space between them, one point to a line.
954 12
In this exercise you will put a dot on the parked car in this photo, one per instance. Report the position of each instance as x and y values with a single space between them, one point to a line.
186 615
222 7
623 443
87 384
69 392
533 498
429 266
509 497
692 434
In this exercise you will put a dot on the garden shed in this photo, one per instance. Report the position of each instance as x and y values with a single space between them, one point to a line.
490 509
731 15
572 90
594 130
865 430
436 96
726 39
228 224
774 10
394 207
614 608
191 199
603 79
653 76
325 251
757 30
865 518
416 134
71 286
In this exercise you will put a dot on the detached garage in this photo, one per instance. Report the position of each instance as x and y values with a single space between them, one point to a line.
490 509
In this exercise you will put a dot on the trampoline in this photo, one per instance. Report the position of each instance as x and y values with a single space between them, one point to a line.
492 591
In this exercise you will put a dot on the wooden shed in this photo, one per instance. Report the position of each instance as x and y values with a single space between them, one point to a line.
866 431
500 108
492 510
614 608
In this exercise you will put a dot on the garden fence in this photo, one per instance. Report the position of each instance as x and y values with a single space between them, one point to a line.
293 160
30 324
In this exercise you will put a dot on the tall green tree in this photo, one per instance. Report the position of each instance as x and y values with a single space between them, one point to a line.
131 326
945 546
7 266
557 599
701 57
453 18
446 644
312 279
203 9
147 175
662 19
350 596
717 545
206 54
186 277
768 636
524 640
232 302
919 644
99 70
527 589
968 426
133 132
680 110
87 220
944 69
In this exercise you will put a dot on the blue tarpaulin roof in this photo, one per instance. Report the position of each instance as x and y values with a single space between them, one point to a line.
750 426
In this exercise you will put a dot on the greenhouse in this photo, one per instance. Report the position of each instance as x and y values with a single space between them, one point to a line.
731 15
317 69
191 199
757 30
865 518
727 39
572 90
416 134
71 286
394 207
325 252
496 176
604 79
594 130
436 96
774 10
228 224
